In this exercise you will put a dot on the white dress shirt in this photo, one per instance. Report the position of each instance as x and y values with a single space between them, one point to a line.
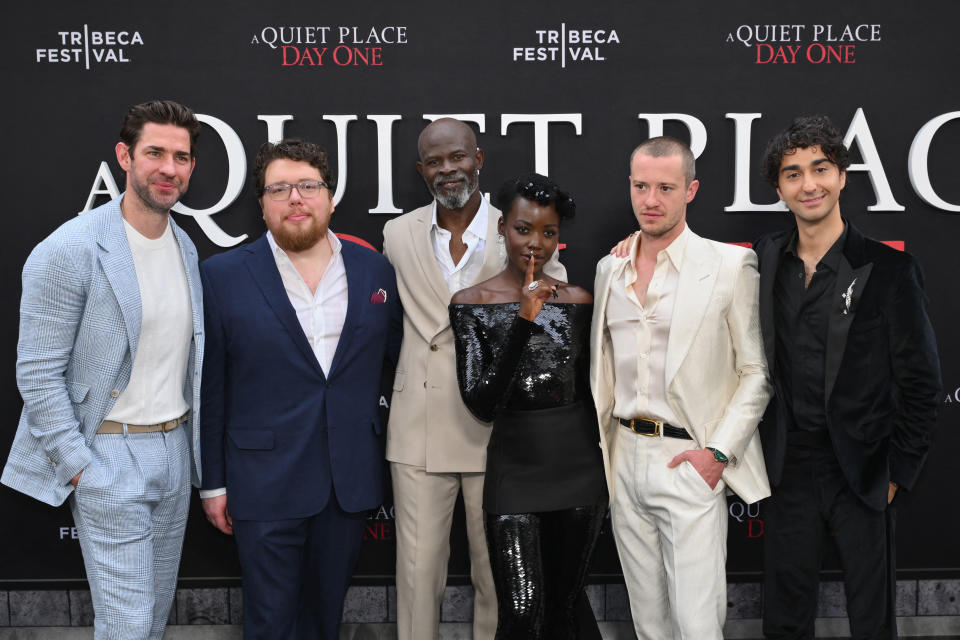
154 393
321 313
461 275
640 333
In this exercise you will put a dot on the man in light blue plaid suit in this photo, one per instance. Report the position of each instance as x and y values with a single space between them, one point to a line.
108 364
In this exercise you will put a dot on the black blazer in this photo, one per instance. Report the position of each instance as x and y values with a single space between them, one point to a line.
882 379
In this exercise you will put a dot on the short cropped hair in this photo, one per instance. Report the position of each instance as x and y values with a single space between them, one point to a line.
806 131
663 146
159 112
292 149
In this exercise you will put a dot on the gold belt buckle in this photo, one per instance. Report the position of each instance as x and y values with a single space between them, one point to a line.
657 427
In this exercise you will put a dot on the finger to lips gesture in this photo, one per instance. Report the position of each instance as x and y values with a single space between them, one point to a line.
533 293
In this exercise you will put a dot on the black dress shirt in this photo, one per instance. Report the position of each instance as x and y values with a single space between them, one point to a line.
802 316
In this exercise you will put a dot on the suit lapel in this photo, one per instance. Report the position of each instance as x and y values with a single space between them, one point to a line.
358 287
263 269
423 249
843 307
120 271
770 262
600 296
694 286
189 257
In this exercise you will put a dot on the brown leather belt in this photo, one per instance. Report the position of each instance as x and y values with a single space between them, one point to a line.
648 427
109 426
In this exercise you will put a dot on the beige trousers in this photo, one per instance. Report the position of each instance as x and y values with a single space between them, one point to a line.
424 512
671 533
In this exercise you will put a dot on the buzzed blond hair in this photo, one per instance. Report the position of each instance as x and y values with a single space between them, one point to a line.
663 146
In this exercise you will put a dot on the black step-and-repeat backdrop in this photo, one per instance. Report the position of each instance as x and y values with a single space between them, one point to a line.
567 91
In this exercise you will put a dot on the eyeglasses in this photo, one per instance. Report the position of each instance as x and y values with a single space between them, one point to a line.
306 189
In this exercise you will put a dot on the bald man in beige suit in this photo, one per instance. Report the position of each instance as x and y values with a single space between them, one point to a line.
435 446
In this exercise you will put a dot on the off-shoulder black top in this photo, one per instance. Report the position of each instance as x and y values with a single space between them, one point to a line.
507 362
530 379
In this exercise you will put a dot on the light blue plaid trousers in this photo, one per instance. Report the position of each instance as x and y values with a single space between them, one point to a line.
130 508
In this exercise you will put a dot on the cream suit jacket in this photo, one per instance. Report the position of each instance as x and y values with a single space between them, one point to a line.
716 372
429 424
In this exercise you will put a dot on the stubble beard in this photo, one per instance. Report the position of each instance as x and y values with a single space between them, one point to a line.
658 232
142 189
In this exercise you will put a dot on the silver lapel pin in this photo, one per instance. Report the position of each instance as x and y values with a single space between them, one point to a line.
848 297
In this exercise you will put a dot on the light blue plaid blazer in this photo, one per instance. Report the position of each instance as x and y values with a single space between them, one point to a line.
79 328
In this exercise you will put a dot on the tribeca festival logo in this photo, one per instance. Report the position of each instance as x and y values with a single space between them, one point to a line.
319 46
566 45
804 44
89 46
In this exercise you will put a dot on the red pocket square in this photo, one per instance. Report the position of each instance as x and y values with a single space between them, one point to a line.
379 297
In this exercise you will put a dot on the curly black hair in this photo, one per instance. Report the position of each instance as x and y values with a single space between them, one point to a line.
536 188
806 131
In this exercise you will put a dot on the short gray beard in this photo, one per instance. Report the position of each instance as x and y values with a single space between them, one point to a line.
458 200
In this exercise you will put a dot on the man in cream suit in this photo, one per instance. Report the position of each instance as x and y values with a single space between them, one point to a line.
680 383
435 446
108 364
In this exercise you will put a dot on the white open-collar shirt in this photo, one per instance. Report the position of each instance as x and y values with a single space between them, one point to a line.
461 275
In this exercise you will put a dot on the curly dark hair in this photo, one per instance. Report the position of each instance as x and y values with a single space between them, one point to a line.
292 149
536 188
159 112
806 131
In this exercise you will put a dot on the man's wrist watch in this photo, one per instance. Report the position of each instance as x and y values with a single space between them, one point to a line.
719 456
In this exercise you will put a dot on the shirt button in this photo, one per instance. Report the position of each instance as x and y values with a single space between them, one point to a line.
424 384
434 347
114 393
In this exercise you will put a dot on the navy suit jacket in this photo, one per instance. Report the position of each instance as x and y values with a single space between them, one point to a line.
281 436
882 379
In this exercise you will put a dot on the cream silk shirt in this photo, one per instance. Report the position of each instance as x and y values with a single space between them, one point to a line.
640 333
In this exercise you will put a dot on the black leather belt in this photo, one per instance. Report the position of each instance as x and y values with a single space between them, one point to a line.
648 427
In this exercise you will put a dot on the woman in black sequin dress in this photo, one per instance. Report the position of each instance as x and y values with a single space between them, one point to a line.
522 362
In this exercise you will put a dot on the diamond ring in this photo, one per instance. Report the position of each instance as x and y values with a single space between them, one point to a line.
533 285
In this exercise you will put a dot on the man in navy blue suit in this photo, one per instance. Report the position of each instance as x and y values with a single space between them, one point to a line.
298 328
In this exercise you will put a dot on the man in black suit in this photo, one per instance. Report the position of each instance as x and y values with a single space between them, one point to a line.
855 370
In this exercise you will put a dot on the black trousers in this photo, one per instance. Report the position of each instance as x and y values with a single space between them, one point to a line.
813 499
540 563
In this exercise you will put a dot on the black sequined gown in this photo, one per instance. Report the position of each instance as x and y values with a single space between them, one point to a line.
544 496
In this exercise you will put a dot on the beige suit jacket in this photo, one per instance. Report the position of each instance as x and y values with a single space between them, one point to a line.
716 371
429 424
